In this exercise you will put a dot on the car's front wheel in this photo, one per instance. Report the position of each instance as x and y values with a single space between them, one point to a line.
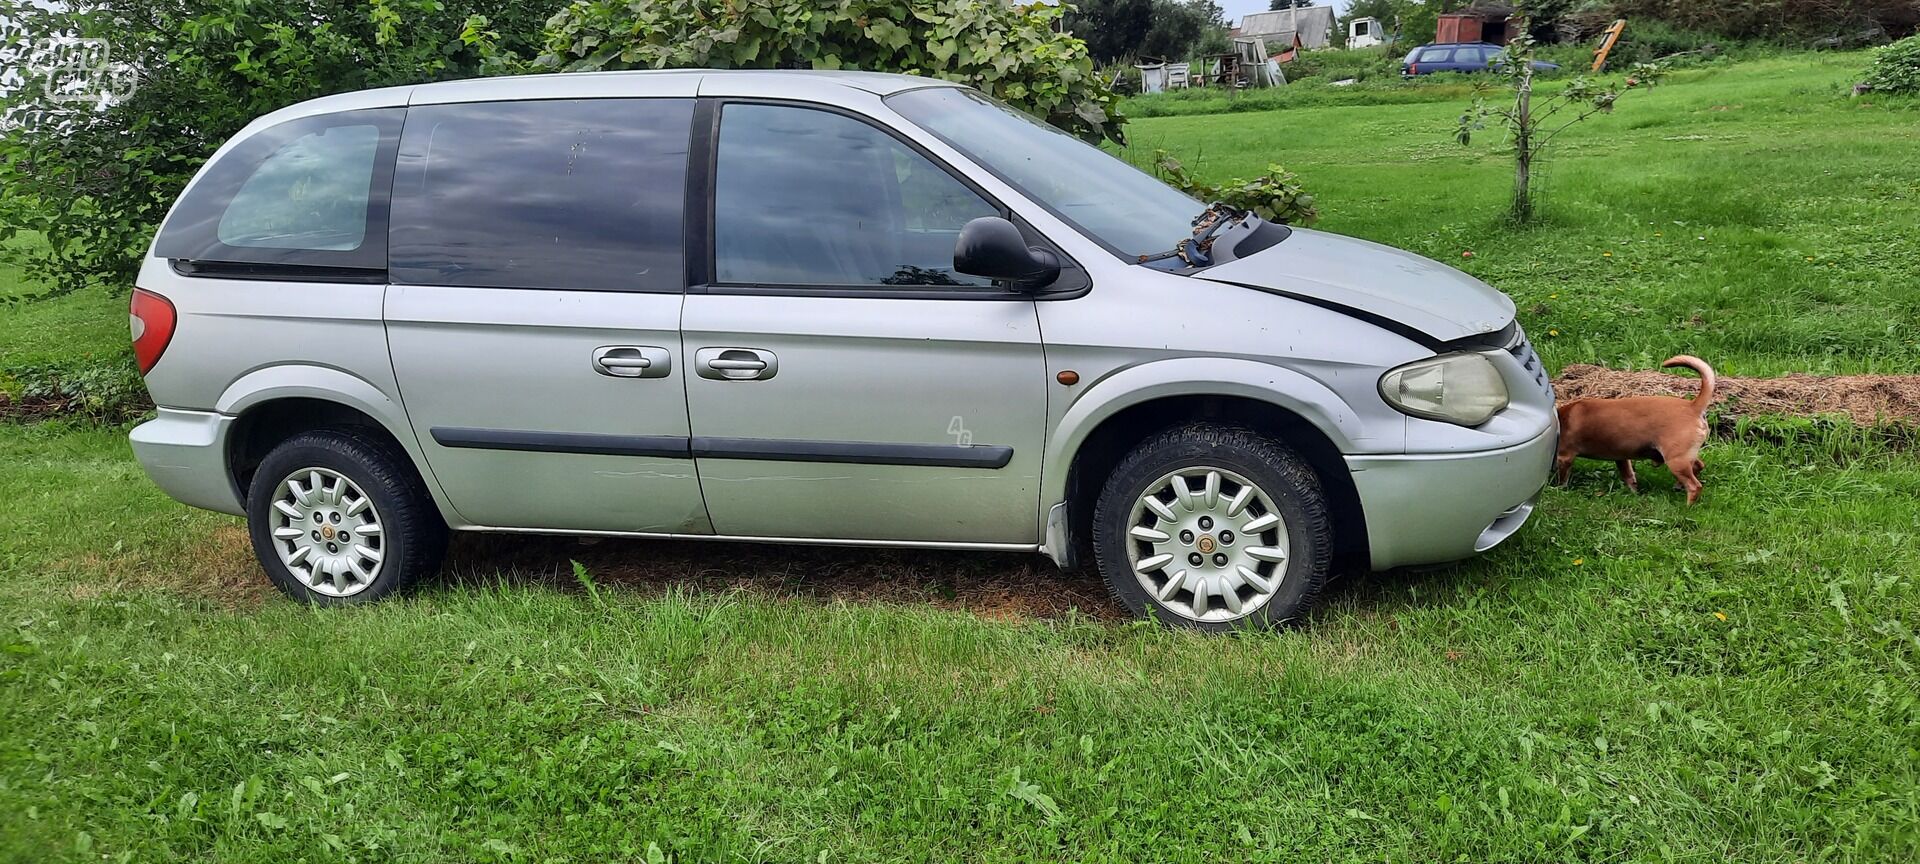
338 516
1215 527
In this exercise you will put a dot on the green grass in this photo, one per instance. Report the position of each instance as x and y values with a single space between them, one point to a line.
1574 696
1628 679
77 327
1308 93
1753 214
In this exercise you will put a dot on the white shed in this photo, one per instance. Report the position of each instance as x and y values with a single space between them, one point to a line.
1364 33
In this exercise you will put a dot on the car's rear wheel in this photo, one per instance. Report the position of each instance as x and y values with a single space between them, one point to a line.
337 517
1214 527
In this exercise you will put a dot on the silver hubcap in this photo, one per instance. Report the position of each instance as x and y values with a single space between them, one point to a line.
1207 543
327 532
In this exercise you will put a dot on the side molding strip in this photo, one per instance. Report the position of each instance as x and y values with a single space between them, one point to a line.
758 449
666 446
854 452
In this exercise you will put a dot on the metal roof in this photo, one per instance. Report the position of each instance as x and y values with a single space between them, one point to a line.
1304 20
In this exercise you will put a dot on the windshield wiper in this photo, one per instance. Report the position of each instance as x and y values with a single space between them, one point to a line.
1197 251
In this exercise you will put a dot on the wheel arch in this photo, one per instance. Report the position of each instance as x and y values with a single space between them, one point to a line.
1097 433
273 404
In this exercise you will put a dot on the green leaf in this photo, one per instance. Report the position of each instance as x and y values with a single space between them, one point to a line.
1030 793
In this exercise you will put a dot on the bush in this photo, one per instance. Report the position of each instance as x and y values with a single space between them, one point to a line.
102 391
1009 51
1359 64
96 179
1896 67
1647 41
1775 19
1275 196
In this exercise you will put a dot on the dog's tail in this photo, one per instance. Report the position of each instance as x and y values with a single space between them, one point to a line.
1707 379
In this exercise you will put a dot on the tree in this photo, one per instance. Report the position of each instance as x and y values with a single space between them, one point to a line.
1177 28
1012 52
94 177
1112 29
1416 22
1118 29
1277 5
1532 127
1381 9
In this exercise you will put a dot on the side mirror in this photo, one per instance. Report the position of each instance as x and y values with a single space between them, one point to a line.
992 247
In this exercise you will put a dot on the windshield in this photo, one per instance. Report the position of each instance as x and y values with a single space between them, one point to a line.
1104 197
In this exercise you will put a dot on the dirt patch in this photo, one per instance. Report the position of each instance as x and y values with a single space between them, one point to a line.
26 409
1867 400
34 408
994 586
220 568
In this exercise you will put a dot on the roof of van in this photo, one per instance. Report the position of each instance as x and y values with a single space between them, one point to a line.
783 83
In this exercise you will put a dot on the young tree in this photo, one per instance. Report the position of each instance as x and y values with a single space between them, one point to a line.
1530 126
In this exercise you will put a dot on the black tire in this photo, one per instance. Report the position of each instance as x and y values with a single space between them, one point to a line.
412 537
1280 474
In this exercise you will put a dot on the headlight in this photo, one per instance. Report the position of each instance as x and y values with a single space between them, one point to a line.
1456 388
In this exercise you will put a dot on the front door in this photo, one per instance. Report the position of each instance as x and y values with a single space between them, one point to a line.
536 253
845 383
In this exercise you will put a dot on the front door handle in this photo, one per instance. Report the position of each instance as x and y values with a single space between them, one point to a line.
632 361
736 364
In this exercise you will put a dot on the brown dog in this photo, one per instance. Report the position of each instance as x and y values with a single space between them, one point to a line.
1660 428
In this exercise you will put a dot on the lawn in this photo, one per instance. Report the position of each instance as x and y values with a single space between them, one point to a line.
1751 214
1628 679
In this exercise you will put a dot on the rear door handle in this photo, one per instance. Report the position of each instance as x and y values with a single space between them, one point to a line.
735 364
632 361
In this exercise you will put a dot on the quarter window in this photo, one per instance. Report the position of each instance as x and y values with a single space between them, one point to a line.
310 192
567 194
1437 55
809 197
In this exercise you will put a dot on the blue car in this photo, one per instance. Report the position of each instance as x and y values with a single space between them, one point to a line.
1460 57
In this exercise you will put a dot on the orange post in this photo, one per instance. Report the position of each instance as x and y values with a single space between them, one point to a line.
1606 45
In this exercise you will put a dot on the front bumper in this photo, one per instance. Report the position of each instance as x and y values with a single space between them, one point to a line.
185 452
1431 508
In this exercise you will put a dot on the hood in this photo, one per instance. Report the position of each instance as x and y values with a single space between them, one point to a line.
1374 280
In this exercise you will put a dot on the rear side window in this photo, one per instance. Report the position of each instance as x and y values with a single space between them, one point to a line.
569 194
1436 55
309 193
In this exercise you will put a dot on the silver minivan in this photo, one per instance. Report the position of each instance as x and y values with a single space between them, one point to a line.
807 307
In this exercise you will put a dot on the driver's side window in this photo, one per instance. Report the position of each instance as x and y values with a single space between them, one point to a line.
814 198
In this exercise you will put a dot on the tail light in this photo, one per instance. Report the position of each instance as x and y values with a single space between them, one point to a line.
1413 68
152 319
